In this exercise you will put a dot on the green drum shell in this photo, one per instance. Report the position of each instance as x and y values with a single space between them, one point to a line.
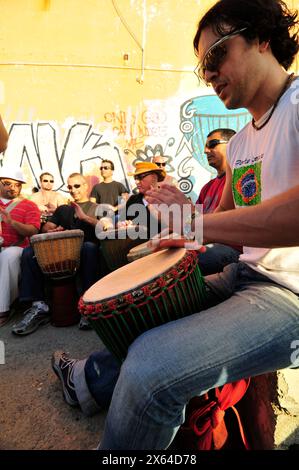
118 321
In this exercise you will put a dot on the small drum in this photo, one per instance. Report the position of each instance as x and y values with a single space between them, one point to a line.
145 249
139 251
58 256
58 253
153 290
116 244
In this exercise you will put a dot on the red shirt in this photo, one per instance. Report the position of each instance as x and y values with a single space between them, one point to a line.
211 193
25 212
210 196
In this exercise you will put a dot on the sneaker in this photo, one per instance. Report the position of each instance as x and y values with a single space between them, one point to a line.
84 324
34 317
63 367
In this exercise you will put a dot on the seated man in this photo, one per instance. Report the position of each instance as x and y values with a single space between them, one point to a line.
217 255
79 215
19 219
161 161
136 212
147 176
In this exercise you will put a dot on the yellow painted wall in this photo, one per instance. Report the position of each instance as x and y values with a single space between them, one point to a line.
61 62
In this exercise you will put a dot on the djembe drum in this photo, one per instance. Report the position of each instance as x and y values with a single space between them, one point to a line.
153 290
58 256
116 244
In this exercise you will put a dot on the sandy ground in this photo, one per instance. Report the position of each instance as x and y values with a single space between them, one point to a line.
33 414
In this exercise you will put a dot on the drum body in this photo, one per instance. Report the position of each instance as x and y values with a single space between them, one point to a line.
58 256
58 253
116 244
139 301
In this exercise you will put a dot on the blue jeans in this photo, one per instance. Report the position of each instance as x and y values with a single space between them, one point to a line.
216 257
248 333
33 282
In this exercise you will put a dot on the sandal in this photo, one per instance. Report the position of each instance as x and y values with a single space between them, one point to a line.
4 318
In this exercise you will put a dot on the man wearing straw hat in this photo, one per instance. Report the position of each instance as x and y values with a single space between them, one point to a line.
147 176
20 219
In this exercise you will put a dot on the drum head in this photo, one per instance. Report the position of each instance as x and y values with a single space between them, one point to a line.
133 275
56 235
131 231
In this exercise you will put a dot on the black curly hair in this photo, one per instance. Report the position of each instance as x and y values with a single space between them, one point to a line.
267 20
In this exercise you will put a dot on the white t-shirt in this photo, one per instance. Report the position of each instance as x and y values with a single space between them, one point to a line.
264 164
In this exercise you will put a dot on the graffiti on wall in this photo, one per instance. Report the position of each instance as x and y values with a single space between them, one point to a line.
185 152
40 146
136 127
37 147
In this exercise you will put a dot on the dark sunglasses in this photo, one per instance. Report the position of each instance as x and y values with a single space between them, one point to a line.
48 181
214 56
211 144
105 168
76 186
140 177
160 164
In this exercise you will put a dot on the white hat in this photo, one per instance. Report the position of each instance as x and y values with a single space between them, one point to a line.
12 174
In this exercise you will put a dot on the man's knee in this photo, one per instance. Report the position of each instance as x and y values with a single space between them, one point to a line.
11 255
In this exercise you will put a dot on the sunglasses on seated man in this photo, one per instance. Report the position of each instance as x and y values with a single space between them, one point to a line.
76 186
160 164
141 176
214 56
211 144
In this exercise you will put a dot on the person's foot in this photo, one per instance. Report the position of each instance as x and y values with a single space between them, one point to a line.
63 367
33 318
4 318
84 324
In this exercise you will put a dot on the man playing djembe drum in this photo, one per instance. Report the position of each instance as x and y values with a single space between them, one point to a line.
244 49
19 219
79 215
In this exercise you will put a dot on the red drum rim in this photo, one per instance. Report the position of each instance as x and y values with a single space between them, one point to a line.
138 296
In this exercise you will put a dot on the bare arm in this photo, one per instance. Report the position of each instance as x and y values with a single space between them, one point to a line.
3 136
25 230
93 199
271 224
48 227
84 217
227 200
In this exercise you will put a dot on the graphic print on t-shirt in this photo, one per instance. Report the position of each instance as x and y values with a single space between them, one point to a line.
247 185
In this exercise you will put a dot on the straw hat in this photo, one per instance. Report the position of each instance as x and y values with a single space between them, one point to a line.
147 167
12 174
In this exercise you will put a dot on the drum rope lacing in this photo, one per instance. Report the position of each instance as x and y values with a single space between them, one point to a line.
188 265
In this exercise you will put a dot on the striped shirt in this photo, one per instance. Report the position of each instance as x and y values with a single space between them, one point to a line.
25 212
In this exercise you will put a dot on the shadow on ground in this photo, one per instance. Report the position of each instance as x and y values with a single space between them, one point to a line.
33 414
